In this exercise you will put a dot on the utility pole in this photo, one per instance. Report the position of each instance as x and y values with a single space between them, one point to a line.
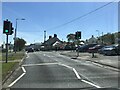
102 37
6 48
44 36
15 35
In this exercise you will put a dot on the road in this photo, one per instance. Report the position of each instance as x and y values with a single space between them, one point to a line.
52 70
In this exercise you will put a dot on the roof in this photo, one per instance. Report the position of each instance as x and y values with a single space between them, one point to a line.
51 41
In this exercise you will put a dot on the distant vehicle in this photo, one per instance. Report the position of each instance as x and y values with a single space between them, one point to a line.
85 48
109 50
30 50
36 49
95 48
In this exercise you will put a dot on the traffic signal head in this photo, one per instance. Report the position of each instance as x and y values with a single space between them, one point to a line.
11 29
78 35
7 28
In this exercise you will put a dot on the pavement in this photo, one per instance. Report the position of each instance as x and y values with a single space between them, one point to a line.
111 61
52 70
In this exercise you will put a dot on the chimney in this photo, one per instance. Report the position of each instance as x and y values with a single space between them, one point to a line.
50 37
55 35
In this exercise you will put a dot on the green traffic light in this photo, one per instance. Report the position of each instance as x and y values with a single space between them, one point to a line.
6 31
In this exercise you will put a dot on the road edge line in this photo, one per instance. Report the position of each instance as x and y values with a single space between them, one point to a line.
23 69
16 80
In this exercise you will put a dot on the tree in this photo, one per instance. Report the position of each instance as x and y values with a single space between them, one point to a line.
71 37
20 44
108 38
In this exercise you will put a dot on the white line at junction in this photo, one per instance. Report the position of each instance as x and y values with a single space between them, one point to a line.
39 64
91 84
17 80
23 69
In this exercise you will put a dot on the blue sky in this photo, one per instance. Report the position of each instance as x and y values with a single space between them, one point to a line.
42 16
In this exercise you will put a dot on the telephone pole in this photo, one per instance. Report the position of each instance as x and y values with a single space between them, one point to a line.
44 36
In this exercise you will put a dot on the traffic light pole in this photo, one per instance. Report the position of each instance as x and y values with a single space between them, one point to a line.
6 48
77 45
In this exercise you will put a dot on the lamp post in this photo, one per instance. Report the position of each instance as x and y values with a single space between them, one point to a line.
98 35
16 33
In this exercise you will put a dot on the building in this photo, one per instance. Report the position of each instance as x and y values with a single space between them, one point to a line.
52 43
91 40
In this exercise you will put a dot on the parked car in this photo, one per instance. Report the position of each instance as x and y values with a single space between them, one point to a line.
109 50
117 48
84 48
95 48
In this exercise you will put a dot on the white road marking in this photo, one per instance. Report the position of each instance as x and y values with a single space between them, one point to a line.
78 76
17 80
18 77
91 84
44 54
27 56
40 64
65 66
23 69
76 73
74 70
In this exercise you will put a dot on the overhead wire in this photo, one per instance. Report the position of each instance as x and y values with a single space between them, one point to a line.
59 26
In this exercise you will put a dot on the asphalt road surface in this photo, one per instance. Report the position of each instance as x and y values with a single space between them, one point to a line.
52 70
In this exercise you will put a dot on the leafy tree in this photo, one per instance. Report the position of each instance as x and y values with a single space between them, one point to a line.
108 38
20 44
71 37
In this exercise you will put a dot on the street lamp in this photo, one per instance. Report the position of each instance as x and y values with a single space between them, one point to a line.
16 32
98 35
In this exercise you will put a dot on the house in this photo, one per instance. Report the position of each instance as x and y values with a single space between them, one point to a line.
52 43
91 40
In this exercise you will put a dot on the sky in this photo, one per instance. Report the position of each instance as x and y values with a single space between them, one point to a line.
40 16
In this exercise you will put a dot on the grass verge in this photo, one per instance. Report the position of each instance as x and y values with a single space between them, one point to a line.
7 67
10 66
13 56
